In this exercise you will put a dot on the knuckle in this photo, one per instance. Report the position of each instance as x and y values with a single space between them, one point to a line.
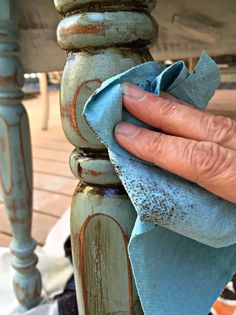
208 159
220 129
155 145
166 107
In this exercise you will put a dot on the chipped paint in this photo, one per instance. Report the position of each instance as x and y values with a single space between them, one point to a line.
101 257
97 29
69 112
15 164
90 36
90 29
6 176
91 172
7 80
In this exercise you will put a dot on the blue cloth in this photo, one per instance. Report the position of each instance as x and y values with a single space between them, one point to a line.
177 246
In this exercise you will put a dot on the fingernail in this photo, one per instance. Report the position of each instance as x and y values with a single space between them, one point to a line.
126 129
132 91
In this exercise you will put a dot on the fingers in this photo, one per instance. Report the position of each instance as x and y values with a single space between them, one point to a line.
165 113
207 164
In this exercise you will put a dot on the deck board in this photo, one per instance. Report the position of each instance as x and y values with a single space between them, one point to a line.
48 143
53 155
52 167
51 203
5 239
54 183
42 224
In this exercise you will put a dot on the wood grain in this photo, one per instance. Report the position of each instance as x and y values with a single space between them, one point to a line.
52 167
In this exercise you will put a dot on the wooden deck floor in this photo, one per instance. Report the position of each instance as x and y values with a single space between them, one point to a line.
53 182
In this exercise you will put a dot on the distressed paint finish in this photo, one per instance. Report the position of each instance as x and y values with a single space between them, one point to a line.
105 30
107 265
68 6
103 38
15 161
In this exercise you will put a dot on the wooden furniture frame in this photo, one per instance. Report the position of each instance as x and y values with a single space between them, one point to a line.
101 38
16 160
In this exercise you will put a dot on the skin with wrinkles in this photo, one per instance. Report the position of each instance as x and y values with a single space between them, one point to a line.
191 143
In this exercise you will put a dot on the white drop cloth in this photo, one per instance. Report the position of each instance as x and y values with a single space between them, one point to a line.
55 269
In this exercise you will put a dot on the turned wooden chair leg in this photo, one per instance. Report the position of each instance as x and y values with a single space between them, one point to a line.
16 161
102 43
43 83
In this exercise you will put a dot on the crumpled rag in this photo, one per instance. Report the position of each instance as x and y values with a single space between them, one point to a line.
182 248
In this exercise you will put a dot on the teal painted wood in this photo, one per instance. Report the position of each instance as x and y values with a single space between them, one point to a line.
65 6
16 161
103 38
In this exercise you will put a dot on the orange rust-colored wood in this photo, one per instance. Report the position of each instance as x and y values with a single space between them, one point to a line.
91 172
7 80
98 29
69 112
6 191
22 152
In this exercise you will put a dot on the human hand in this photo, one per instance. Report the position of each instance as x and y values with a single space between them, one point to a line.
194 144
